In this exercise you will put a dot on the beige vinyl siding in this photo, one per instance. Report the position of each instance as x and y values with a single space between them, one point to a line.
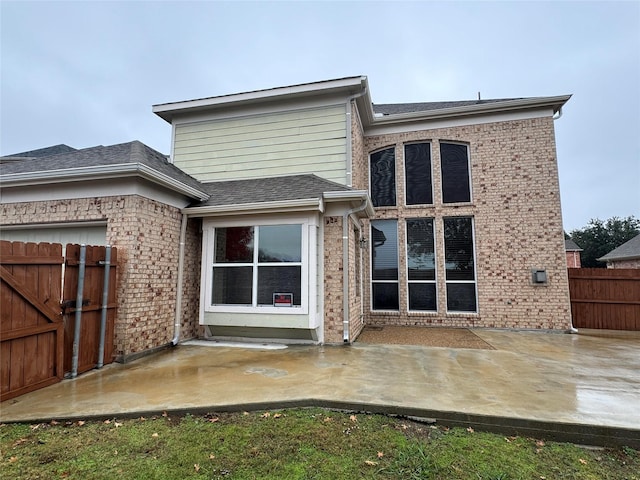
292 142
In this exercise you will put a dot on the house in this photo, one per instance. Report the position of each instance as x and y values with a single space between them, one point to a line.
573 253
626 255
304 213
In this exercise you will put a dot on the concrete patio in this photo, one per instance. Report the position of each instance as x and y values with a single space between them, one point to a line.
583 388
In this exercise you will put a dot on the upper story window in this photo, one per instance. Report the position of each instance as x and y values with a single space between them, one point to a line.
382 176
456 178
250 264
417 172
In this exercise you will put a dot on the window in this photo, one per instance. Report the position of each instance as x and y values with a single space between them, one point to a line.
454 163
460 264
417 168
421 265
384 265
383 177
252 263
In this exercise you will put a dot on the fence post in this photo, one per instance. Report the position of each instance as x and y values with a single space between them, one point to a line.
76 332
105 301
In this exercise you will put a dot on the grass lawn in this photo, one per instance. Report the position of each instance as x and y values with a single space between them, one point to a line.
292 444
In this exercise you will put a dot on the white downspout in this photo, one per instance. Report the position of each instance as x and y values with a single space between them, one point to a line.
178 317
345 269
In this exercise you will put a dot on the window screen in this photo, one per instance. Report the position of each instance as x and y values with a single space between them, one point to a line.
421 264
459 264
454 163
384 265
417 167
383 178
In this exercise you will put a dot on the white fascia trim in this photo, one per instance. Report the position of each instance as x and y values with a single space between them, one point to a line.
458 121
471 110
281 206
173 184
349 196
167 110
101 172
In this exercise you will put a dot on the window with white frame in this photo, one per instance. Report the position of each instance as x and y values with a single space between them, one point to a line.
456 177
459 260
384 265
257 266
382 177
417 174
421 265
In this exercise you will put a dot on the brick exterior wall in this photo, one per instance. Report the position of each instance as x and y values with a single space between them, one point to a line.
334 281
333 306
517 220
634 263
190 327
573 260
147 235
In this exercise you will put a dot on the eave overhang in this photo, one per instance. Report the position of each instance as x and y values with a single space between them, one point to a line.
345 86
369 119
101 172
352 198
281 206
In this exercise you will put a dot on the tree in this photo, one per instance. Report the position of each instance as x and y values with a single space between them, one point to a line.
598 238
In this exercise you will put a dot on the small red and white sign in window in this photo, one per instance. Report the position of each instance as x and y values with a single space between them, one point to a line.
283 299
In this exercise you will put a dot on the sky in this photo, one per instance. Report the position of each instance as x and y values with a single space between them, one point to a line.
86 73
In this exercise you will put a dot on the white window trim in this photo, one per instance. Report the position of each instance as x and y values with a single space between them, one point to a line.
208 239
475 269
404 165
435 256
395 174
440 142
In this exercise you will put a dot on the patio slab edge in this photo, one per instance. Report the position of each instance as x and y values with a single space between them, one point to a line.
576 433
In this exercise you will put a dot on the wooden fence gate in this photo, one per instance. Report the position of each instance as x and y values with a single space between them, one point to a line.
37 313
605 298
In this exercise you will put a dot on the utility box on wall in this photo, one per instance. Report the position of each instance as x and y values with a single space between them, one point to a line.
538 276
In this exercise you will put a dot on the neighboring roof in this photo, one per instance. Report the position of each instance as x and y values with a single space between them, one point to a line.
125 159
292 192
627 251
44 152
571 246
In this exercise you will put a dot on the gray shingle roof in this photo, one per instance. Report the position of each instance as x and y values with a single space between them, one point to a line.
262 190
628 250
399 108
124 153
571 246
45 152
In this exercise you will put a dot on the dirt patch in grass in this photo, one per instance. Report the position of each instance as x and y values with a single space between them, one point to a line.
425 336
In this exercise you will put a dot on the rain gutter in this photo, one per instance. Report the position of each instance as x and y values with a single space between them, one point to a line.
101 172
257 207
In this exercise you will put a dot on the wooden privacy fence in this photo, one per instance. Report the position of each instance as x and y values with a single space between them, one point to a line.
38 313
605 298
